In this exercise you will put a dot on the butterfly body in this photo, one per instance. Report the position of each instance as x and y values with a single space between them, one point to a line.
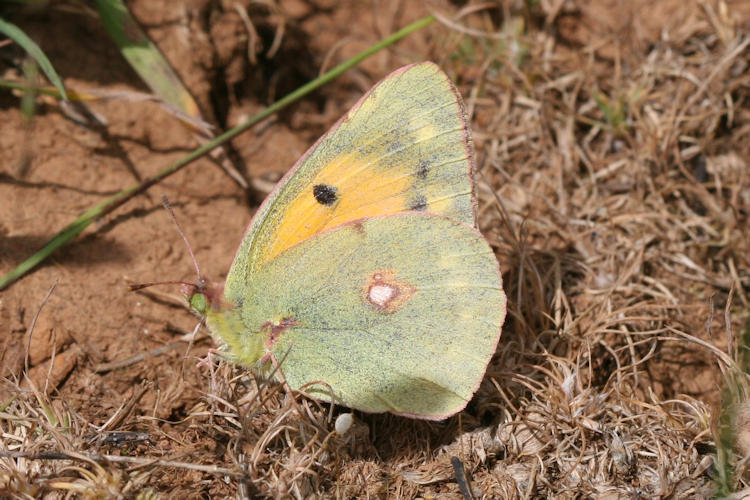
363 273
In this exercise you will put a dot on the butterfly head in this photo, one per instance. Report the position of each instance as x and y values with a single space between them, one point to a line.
202 296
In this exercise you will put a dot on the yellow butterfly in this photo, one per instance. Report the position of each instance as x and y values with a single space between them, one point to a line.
363 272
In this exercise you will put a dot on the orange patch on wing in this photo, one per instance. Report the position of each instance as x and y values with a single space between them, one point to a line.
385 293
362 190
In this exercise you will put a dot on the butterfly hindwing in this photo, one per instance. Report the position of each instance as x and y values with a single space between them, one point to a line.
381 310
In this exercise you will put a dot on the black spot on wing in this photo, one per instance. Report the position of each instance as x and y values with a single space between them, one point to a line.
394 146
325 194
423 168
419 203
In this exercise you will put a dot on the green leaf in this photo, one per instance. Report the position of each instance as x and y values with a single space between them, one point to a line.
18 36
144 57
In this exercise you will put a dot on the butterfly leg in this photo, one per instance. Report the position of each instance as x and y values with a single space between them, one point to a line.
191 338
208 362
277 370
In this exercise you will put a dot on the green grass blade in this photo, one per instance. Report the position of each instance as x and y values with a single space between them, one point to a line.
14 33
111 203
144 57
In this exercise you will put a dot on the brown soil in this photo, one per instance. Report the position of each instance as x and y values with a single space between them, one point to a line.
624 251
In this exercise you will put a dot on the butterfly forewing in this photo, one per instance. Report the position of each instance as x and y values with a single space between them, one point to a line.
404 146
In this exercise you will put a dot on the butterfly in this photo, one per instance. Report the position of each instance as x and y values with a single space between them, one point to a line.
362 277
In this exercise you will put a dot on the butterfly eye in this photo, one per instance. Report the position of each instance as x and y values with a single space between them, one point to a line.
325 194
198 302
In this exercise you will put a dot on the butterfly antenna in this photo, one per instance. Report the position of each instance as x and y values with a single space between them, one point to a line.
141 286
165 201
